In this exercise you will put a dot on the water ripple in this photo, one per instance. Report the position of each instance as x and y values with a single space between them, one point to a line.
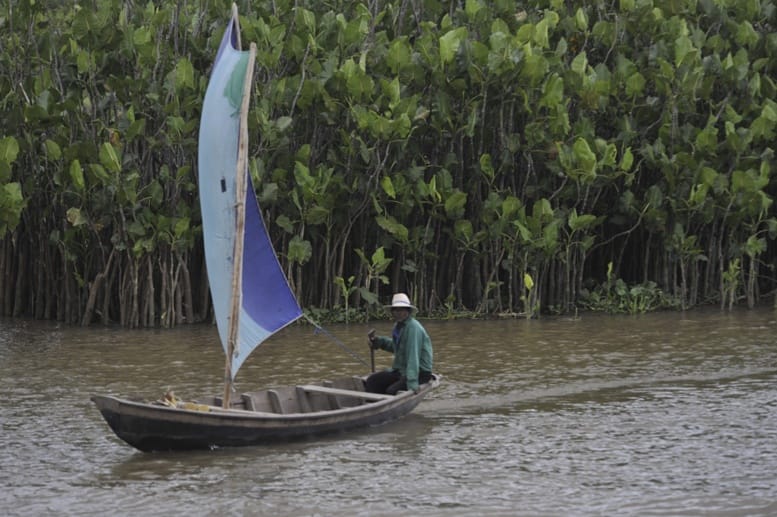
666 414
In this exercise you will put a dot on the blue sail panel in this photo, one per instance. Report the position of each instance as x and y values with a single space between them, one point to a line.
267 302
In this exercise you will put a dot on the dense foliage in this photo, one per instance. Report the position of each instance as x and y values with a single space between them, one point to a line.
485 156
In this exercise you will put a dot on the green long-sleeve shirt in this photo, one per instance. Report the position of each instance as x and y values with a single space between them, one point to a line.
412 349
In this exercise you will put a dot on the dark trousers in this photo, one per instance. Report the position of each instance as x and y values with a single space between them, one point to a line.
390 381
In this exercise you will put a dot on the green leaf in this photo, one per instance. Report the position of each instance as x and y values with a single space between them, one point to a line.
317 215
540 36
524 33
449 44
584 155
454 205
609 152
141 36
771 224
184 74
283 122
11 205
388 187
399 55
368 296
5 172
698 194
707 139
486 167
552 91
357 81
99 172
472 7
269 193
181 226
83 60
635 84
136 229
303 154
510 206
109 159
580 64
431 189
53 151
392 89
581 19
285 223
303 177
300 250
136 128
708 176
731 115
535 66
580 222
398 230
627 160
378 257
682 48
77 175
306 19
542 209
755 246
9 149
746 34
75 217
463 229
550 237
524 231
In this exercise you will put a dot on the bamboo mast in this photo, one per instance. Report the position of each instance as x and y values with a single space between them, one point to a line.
240 196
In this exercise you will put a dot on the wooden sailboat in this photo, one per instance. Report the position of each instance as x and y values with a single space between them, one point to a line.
252 300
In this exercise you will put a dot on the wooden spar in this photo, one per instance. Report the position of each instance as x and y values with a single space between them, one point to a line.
237 28
240 206
310 388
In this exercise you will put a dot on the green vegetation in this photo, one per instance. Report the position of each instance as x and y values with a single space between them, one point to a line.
615 297
488 157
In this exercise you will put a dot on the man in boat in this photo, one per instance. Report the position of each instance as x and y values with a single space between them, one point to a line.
412 349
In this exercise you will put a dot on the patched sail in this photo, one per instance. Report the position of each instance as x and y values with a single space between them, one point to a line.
266 302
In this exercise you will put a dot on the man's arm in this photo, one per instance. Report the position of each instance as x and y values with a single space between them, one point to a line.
384 343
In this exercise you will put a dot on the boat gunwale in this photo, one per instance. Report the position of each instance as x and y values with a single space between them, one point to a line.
251 415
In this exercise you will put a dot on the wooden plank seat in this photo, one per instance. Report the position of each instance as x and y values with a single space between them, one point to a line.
310 388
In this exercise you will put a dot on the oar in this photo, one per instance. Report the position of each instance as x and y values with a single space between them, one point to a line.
370 336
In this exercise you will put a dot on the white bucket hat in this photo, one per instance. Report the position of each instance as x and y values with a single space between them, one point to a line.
401 301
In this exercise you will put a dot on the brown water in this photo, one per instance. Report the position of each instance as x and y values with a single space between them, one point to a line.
662 414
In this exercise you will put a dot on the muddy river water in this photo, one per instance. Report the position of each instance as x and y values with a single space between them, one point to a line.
659 414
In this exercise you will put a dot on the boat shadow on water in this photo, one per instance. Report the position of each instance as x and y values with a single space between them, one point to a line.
339 446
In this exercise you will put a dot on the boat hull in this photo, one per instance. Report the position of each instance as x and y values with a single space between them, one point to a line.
154 427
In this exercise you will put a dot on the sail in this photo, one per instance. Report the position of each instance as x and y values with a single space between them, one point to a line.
267 303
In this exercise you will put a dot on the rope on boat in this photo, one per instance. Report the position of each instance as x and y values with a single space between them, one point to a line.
319 328
170 400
